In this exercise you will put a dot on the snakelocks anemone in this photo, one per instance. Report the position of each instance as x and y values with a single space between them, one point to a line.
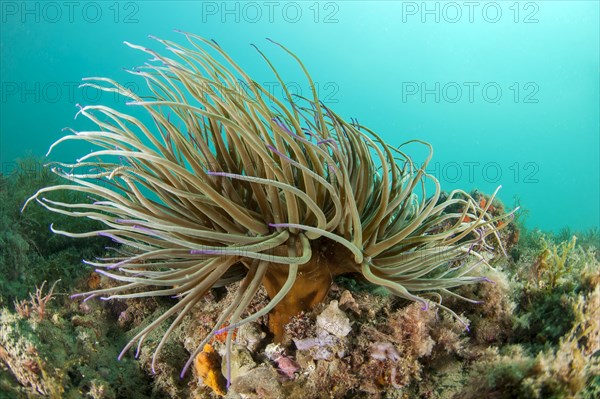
222 181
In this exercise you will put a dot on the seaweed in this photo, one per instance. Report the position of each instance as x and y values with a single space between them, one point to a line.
29 252
545 312
569 370
57 355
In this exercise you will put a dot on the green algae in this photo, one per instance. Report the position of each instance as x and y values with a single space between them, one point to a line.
29 252
70 353
533 337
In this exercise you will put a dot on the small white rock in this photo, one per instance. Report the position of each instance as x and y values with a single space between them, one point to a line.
240 364
273 351
334 321
250 335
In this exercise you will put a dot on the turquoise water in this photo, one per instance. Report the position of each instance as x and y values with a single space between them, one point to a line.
507 92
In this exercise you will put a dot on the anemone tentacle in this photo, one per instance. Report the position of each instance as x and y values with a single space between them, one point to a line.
228 183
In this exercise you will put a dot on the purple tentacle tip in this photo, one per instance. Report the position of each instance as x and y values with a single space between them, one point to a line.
88 298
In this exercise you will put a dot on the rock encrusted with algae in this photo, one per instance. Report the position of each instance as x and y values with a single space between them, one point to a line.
67 354
20 355
358 344
250 335
260 382
240 362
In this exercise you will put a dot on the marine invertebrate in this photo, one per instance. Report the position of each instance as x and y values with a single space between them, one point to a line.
232 183
36 304
208 367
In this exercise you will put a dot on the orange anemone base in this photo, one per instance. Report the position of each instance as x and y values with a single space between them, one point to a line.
311 285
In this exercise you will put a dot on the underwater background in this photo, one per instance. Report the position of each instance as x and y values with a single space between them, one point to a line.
506 92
